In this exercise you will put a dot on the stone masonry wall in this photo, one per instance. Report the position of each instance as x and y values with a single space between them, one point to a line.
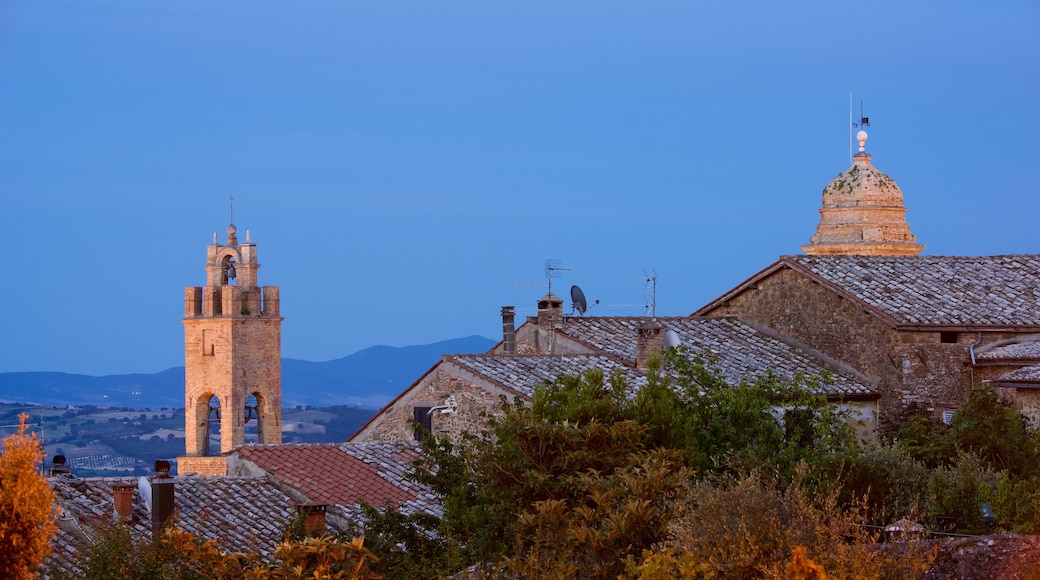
231 357
1027 401
207 466
909 366
471 400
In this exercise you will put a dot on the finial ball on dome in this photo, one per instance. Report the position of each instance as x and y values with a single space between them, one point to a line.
231 229
862 138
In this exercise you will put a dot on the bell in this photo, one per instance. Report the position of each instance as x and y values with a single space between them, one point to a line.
231 271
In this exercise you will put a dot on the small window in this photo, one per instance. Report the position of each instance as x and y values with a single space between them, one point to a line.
947 416
948 337
423 422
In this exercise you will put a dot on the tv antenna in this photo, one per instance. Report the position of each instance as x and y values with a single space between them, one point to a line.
651 292
863 121
552 266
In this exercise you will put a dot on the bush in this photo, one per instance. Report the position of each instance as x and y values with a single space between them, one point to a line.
890 483
956 494
749 523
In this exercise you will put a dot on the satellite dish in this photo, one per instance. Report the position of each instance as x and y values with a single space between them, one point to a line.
578 300
671 339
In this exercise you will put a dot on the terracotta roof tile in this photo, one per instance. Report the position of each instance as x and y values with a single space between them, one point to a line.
1018 351
326 474
740 351
983 291
1024 377
241 513
522 373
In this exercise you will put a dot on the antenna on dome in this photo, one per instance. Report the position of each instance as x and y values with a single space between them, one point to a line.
863 121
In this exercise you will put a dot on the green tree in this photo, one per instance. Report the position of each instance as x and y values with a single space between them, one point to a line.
991 428
578 481
778 421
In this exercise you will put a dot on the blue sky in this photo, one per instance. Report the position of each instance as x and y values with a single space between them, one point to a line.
405 167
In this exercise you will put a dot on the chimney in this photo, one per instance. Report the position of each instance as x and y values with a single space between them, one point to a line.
58 465
509 329
162 497
313 519
550 311
123 498
649 342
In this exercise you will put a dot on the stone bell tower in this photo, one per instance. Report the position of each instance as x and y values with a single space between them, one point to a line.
232 358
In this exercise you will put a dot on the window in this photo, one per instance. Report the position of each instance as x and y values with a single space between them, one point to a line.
423 422
947 416
948 337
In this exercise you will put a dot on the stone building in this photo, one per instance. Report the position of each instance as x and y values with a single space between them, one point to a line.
232 357
451 397
926 329
899 326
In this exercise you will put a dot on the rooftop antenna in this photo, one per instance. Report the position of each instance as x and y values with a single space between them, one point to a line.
552 266
651 292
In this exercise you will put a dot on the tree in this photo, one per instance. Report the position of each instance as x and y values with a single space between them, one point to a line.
776 420
27 512
994 430
579 481
178 555
751 523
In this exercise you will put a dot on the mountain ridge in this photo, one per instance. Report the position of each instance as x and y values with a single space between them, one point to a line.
367 378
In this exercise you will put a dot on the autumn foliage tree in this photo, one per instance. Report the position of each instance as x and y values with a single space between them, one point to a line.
27 512
117 554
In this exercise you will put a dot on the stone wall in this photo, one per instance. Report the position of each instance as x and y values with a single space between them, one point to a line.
231 357
909 366
1027 401
208 466
460 398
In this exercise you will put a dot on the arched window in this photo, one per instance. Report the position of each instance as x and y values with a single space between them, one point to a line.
212 426
253 416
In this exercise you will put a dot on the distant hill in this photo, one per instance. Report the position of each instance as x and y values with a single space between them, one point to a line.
367 378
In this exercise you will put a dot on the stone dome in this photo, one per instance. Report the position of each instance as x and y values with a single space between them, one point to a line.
862 213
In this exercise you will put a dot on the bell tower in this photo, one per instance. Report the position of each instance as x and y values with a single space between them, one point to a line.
232 358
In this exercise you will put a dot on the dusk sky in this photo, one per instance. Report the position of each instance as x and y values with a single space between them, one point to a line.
407 168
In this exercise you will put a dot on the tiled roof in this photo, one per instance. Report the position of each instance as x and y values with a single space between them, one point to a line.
242 513
1018 351
522 373
1025 376
951 291
391 460
327 474
741 351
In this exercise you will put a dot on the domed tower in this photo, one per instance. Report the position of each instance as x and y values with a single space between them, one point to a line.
863 213
232 356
